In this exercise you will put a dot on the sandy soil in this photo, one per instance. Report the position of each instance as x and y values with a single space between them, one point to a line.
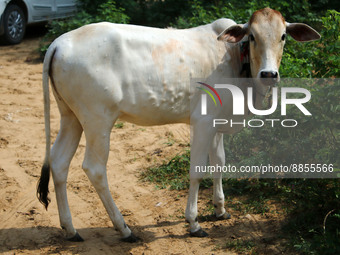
154 215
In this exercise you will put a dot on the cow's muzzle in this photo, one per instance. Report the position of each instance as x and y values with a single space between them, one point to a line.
269 78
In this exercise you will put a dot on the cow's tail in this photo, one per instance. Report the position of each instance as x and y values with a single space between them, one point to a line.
42 187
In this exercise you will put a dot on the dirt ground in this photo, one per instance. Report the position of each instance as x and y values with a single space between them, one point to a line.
156 216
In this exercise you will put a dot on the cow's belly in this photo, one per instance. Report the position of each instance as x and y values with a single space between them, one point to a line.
155 104
154 93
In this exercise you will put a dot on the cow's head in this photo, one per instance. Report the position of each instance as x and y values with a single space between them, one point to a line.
266 32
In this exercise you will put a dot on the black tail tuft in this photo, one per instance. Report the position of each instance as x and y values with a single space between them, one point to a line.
42 189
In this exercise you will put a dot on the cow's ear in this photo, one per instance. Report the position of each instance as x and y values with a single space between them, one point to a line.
233 34
302 32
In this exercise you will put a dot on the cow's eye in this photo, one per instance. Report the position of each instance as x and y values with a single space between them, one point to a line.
251 38
283 37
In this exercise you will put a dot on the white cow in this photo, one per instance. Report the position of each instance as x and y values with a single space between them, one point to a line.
104 71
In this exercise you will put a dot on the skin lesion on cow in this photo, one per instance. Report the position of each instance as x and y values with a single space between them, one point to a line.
161 52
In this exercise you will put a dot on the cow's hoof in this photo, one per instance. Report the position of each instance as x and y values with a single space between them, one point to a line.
199 233
131 239
225 216
76 238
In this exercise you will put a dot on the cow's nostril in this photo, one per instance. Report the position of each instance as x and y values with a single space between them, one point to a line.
271 74
264 74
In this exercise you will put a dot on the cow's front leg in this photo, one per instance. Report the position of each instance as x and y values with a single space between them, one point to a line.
191 210
217 158
198 160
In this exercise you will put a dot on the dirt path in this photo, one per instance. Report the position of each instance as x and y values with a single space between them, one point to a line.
154 215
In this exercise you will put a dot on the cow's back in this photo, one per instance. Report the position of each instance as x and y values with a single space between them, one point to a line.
142 72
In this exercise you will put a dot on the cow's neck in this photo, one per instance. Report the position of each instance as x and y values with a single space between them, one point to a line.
258 95
245 72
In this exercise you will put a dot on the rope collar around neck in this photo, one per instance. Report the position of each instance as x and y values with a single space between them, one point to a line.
244 49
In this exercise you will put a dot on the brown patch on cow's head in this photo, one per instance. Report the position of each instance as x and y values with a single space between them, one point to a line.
267 13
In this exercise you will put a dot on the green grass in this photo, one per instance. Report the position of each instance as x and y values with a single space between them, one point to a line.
250 205
173 175
241 246
119 125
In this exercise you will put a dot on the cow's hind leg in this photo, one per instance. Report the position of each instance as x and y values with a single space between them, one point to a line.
62 152
97 133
